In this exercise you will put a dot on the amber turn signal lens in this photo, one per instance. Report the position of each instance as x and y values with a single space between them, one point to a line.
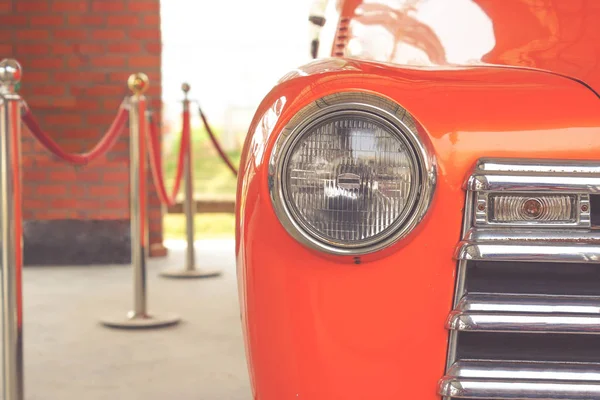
559 208
532 208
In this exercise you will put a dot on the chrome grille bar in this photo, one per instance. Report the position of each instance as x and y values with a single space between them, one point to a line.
565 308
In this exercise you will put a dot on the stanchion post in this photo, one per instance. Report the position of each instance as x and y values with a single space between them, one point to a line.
139 316
189 206
12 231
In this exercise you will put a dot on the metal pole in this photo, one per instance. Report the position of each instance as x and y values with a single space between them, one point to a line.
139 316
12 231
190 270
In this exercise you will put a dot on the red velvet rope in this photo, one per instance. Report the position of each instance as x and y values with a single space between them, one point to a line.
101 147
215 143
157 171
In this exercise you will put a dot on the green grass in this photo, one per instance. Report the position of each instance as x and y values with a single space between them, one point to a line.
212 178
211 175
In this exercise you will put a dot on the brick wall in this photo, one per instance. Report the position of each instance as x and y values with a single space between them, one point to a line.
76 56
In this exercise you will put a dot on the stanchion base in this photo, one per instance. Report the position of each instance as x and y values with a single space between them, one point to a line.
141 322
187 273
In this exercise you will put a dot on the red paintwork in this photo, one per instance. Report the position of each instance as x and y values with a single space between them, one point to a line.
319 328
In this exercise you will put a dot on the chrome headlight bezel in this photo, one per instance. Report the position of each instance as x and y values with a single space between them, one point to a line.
385 111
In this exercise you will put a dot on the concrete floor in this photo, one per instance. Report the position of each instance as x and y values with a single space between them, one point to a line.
69 355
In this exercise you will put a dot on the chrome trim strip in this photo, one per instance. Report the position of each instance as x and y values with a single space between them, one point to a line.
571 184
526 235
523 322
529 251
537 166
525 370
529 303
465 388
381 108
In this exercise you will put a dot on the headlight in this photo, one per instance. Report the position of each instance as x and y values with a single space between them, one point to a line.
349 174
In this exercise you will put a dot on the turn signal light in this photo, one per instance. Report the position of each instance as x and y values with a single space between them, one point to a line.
550 208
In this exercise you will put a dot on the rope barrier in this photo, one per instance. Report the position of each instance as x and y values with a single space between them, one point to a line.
156 166
99 149
215 143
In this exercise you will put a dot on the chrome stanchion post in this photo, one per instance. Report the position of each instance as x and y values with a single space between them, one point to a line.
139 316
12 231
189 207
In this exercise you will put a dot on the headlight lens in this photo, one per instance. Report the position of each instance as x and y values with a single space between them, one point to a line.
349 174
349 178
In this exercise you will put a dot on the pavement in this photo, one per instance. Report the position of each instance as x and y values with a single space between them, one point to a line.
70 355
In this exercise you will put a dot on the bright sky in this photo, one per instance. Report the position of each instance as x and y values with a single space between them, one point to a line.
232 52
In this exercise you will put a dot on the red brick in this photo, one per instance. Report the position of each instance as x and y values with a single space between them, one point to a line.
80 137
63 175
87 20
47 20
6 48
120 77
30 175
5 7
105 191
50 190
85 175
72 5
49 90
108 5
68 202
55 214
143 5
34 204
76 62
144 61
153 91
62 119
77 190
141 34
97 90
111 103
154 47
116 204
48 102
12 20
100 119
32 34
122 20
28 6
152 20
124 47
87 104
108 61
89 48
120 146
116 176
44 63
108 34
105 215
61 48
155 213
70 34
80 77
38 76
32 49
84 204
105 90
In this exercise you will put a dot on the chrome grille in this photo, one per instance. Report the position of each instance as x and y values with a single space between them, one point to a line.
526 317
